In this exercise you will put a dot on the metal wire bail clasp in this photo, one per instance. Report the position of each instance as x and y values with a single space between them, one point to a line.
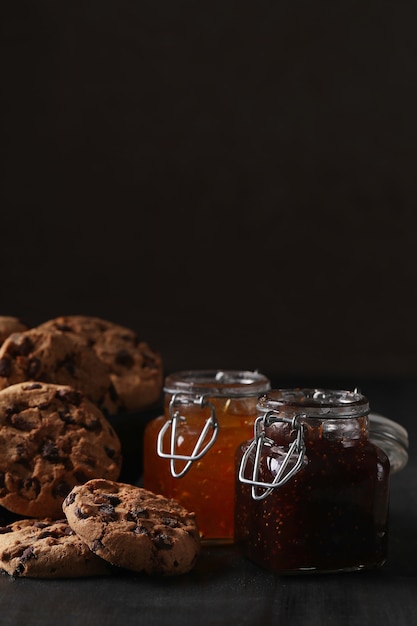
283 475
200 448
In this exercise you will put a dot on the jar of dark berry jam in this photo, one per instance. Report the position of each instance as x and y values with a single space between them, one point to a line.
312 489
189 452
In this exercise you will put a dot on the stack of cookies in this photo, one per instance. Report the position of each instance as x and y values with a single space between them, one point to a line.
108 526
107 362
60 385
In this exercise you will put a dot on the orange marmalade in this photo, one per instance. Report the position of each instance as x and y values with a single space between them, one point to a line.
189 452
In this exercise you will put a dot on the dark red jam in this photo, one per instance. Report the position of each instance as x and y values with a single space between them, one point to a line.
330 516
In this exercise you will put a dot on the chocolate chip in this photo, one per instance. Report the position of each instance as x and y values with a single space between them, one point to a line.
24 348
123 357
17 553
50 452
68 364
32 486
91 462
107 511
56 533
93 425
19 569
96 545
163 541
19 422
104 498
141 530
6 556
33 367
65 328
17 407
70 395
66 417
170 521
69 499
44 534
5 367
32 386
21 453
43 406
27 554
111 453
135 514
60 490
79 514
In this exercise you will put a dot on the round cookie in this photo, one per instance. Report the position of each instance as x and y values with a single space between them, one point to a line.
54 357
9 325
136 371
51 438
44 548
134 528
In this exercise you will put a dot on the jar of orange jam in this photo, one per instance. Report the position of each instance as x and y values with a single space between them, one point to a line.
189 452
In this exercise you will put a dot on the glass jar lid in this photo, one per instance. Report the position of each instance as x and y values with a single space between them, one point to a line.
391 437
219 383
315 403
388 435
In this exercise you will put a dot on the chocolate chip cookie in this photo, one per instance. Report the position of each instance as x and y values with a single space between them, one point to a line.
134 528
51 438
9 325
51 356
136 370
46 548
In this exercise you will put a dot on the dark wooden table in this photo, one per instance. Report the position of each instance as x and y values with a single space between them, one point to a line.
224 588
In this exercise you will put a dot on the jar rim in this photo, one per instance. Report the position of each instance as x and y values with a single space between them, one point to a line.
388 429
219 383
391 437
315 402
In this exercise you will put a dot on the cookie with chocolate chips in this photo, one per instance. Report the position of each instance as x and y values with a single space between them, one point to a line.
136 370
46 548
51 356
10 324
51 438
134 528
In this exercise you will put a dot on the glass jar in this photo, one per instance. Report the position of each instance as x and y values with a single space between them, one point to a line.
189 452
392 438
312 489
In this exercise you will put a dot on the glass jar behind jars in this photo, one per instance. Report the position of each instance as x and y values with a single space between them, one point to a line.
312 489
189 452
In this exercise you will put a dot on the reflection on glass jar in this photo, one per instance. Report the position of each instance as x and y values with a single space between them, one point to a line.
312 489
189 452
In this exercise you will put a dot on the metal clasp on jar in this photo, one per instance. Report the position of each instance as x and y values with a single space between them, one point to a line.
283 475
200 448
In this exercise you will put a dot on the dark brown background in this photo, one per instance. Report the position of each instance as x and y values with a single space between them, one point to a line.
234 180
